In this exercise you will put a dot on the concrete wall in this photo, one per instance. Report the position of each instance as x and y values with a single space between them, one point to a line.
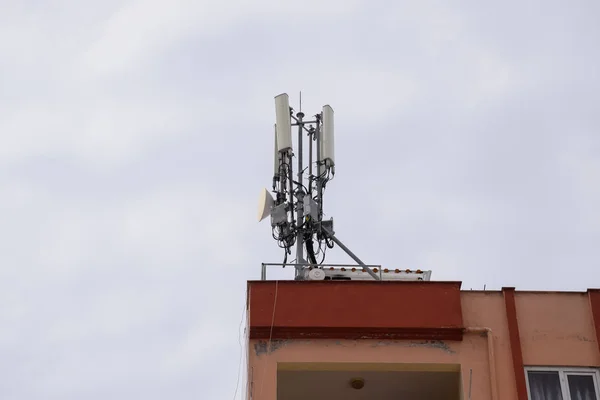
557 329
554 329
355 310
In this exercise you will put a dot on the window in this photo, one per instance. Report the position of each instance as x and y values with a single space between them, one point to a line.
562 383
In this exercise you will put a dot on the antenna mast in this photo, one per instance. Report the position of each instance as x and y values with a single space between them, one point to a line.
297 209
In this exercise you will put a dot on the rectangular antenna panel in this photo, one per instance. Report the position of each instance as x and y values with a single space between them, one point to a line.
283 126
275 155
327 138
310 207
279 214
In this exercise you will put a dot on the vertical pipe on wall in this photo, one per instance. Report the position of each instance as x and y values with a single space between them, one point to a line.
491 357
470 381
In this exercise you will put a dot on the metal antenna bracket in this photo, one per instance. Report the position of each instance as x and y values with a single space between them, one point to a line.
331 236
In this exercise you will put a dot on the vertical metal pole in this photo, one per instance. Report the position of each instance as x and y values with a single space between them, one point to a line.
291 179
310 161
318 133
299 205
470 381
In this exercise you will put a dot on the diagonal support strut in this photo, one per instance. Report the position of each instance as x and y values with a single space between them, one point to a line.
331 236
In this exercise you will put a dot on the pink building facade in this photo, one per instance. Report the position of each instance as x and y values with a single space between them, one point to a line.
349 340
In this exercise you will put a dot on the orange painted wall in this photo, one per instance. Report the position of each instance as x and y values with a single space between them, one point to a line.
471 353
487 309
555 329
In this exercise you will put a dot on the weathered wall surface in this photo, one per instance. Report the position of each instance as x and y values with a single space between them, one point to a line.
487 309
557 329
353 310
554 329
471 353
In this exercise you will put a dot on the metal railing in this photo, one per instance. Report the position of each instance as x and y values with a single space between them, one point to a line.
263 271
353 270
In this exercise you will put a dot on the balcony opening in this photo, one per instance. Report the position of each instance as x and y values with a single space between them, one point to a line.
348 381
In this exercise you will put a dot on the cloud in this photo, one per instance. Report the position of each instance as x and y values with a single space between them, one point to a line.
96 274
136 136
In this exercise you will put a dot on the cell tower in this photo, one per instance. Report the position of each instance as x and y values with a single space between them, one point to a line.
296 207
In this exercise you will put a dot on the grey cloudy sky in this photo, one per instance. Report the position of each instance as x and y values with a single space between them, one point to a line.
136 136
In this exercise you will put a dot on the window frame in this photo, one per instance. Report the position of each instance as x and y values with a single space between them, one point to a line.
563 373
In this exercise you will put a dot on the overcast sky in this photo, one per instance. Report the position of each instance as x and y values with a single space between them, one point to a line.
136 136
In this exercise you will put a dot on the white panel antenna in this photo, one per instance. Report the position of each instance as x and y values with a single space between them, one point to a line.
283 123
327 143
276 156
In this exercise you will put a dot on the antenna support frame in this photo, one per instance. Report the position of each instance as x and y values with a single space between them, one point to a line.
297 212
